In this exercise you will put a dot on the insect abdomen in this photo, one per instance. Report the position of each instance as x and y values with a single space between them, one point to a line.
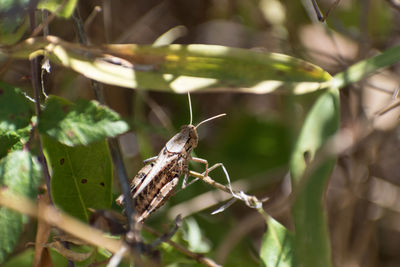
157 191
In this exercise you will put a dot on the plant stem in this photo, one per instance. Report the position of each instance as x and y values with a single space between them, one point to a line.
112 142
35 68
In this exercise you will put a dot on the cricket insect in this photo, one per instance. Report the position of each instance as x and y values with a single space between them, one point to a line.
156 181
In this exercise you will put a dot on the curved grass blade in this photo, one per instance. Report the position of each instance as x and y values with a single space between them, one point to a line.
366 67
180 68
311 240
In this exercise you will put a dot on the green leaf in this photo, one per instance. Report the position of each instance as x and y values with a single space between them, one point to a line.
277 246
15 112
81 176
62 8
15 118
181 68
19 173
79 124
311 228
13 21
192 234
7 141
366 67
25 259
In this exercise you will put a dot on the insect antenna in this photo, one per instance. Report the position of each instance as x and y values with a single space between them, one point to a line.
190 109
209 119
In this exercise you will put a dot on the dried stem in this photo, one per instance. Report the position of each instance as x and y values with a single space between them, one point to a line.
61 220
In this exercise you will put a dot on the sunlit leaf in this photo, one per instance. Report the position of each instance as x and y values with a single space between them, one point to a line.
20 173
81 176
79 124
62 8
364 68
181 68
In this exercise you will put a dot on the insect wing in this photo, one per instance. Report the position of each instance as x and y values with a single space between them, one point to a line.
160 198
140 177
155 169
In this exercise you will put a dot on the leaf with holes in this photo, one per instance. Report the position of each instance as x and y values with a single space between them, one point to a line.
79 124
81 176
309 181
20 173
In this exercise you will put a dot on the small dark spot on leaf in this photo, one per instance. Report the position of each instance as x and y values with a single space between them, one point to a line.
307 67
102 184
307 156
1 91
280 73
84 181
65 108
12 117
62 161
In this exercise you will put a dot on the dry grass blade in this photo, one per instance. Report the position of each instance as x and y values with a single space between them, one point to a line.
59 219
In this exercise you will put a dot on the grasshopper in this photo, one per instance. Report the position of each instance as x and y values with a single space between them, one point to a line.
156 181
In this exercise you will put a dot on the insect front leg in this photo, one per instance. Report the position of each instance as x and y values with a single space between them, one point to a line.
152 159
200 160
203 161
251 201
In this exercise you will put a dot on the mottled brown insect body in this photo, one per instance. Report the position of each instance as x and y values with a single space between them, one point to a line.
156 181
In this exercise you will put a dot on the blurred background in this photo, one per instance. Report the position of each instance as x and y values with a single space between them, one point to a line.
254 140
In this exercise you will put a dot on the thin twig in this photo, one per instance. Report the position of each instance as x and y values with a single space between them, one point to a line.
394 5
170 234
35 67
96 10
321 17
113 142
196 256
49 19
388 108
251 201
